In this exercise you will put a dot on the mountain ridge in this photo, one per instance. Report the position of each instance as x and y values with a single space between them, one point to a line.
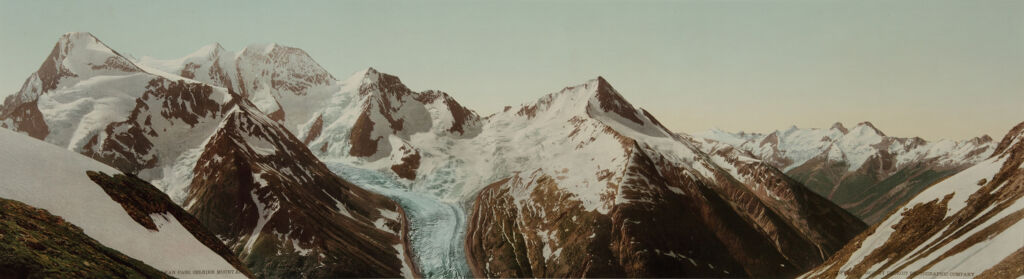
48 177
960 226
157 124
859 168
609 162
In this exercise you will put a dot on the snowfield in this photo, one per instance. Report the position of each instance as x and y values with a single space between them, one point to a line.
47 177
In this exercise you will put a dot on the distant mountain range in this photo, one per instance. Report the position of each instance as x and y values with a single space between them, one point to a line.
967 225
860 168
261 148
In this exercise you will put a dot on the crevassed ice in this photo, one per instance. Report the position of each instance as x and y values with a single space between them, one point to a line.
437 227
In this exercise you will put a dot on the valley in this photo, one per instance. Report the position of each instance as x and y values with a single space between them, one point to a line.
437 227
283 170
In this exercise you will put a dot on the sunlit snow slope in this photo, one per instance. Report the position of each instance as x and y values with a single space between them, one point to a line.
48 177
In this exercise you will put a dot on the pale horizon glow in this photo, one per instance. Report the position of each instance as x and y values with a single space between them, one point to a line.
934 69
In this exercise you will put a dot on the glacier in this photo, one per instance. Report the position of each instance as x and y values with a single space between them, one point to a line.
436 226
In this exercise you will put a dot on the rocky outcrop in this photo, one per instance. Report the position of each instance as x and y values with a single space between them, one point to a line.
36 244
284 213
551 235
24 117
656 205
20 111
527 226
361 139
169 129
378 119
141 201
88 98
129 145
596 186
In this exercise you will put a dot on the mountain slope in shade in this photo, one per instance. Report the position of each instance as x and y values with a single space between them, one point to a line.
53 179
36 244
597 187
285 214
966 225
860 168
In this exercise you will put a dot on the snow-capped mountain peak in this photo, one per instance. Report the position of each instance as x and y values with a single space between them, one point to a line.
838 126
200 65
83 40
967 223
844 164
210 51
600 154
77 55
980 140
262 48
264 116
381 85
609 100
291 205
867 128
597 100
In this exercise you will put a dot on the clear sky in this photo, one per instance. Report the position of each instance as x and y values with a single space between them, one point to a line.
935 69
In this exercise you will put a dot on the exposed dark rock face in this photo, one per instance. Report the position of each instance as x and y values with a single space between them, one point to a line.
815 220
662 223
389 108
410 162
140 200
284 213
36 244
460 114
360 138
24 117
261 192
876 188
657 204
611 101
315 130
21 112
128 145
